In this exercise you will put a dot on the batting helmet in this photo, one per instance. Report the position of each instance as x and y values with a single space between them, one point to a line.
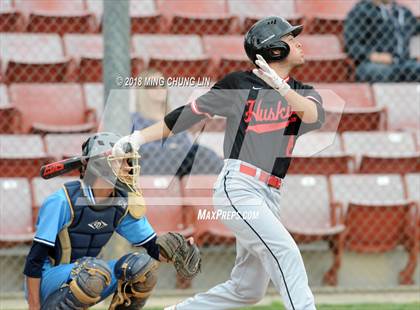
120 171
264 38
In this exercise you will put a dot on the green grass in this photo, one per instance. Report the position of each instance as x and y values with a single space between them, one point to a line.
371 307
278 306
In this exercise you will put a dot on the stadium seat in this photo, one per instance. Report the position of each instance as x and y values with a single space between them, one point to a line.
227 53
87 50
143 14
10 118
250 11
197 17
94 97
367 188
378 217
355 119
22 155
350 106
325 16
383 152
314 217
325 60
164 204
53 108
355 95
11 20
41 189
321 46
185 59
57 16
381 228
197 191
33 58
16 216
105 109
145 18
62 146
402 103
320 153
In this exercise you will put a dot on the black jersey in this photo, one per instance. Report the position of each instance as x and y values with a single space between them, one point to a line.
261 128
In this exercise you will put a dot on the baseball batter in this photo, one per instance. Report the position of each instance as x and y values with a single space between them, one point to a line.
266 112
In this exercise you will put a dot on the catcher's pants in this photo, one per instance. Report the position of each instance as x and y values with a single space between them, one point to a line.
53 277
265 250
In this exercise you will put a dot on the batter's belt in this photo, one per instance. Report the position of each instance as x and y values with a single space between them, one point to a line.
269 179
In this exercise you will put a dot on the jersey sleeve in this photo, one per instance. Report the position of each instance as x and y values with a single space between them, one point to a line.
35 260
309 92
53 215
137 232
217 101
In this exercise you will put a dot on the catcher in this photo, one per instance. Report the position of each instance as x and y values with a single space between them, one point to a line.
63 270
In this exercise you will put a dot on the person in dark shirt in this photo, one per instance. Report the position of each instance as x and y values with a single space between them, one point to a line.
266 110
377 36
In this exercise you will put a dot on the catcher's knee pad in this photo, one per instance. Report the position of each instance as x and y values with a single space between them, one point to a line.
90 276
137 276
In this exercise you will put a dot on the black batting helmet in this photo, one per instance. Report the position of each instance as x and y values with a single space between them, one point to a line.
264 38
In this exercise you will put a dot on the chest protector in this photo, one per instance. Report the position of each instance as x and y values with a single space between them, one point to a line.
89 229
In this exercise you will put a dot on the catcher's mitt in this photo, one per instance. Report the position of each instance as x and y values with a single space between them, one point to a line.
185 256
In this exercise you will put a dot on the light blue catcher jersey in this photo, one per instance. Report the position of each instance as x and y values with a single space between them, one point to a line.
55 213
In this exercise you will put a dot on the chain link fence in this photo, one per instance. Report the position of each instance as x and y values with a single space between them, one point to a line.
351 198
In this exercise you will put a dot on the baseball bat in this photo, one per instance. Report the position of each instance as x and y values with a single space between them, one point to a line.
63 166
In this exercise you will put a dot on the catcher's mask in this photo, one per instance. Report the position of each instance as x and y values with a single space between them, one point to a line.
120 171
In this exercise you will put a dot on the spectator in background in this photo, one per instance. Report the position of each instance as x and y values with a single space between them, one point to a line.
177 154
377 36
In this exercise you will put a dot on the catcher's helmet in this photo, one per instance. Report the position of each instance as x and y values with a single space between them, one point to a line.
120 171
264 38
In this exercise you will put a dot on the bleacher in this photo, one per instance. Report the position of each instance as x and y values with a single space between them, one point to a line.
360 173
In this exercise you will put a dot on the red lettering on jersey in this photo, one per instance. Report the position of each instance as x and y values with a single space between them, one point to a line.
267 114
248 114
280 117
